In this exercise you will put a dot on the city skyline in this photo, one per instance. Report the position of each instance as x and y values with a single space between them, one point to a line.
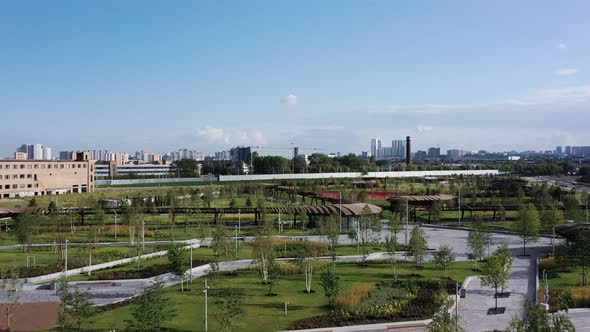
206 76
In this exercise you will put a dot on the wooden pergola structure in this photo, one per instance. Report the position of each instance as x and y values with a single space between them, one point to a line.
419 202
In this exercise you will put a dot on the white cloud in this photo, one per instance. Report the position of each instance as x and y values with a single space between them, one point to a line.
213 134
231 136
423 128
565 71
562 46
290 100
540 100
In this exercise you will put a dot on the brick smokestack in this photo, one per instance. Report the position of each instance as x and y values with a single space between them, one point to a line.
408 151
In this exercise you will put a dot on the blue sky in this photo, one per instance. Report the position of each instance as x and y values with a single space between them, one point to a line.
160 75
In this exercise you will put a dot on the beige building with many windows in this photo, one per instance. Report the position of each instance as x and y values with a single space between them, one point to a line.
19 178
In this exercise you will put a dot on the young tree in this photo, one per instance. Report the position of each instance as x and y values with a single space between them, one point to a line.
367 225
443 258
477 242
551 217
391 245
435 211
265 254
230 309
527 225
505 255
178 260
443 321
494 275
152 309
10 285
75 307
306 257
24 226
535 318
331 284
580 253
418 244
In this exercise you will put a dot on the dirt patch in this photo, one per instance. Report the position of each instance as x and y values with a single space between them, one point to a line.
33 316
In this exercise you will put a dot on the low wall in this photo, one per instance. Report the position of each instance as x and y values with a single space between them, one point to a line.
159 180
352 175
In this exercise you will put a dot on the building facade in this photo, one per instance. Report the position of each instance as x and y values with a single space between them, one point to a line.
20 178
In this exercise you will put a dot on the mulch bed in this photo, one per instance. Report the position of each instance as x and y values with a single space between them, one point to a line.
33 316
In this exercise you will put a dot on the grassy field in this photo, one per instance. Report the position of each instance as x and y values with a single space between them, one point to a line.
46 257
266 313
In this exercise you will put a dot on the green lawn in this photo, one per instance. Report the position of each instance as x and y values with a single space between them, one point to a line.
264 313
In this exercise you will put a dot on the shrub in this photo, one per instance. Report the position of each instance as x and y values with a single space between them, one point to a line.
287 268
290 248
351 299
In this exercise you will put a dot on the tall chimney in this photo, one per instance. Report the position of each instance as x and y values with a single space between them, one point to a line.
408 151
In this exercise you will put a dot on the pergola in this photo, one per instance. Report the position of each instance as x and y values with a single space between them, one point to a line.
571 231
419 202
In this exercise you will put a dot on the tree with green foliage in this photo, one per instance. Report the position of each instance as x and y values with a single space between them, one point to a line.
494 275
571 205
505 255
230 309
265 254
232 203
435 211
331 284
444 258
186 168
477 241
580 253
368 224
24 227
551 217
33 202
527 225
306 257
391 245
151 309
536 318
74 307
178 261
444 321
418 245
565 300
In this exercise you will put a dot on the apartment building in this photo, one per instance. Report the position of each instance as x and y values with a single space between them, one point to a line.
19 178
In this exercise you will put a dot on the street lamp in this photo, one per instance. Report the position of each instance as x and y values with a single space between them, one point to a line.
236 227
206 290
66 261
191 264
407 221
459 206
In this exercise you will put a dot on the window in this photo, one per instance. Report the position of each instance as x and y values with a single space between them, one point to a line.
29 166
7 186
15 176
62 166
22 186
29 176
14 186
7 177
36 166
0 166
22 166
7 166
43 166
22 176
29 186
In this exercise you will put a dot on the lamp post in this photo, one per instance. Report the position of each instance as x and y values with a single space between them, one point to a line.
459 206
115 224
340 210
191 265
66 260
236 227
407 221
239 221
206 290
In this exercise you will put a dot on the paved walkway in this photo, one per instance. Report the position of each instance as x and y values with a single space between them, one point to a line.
473 309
